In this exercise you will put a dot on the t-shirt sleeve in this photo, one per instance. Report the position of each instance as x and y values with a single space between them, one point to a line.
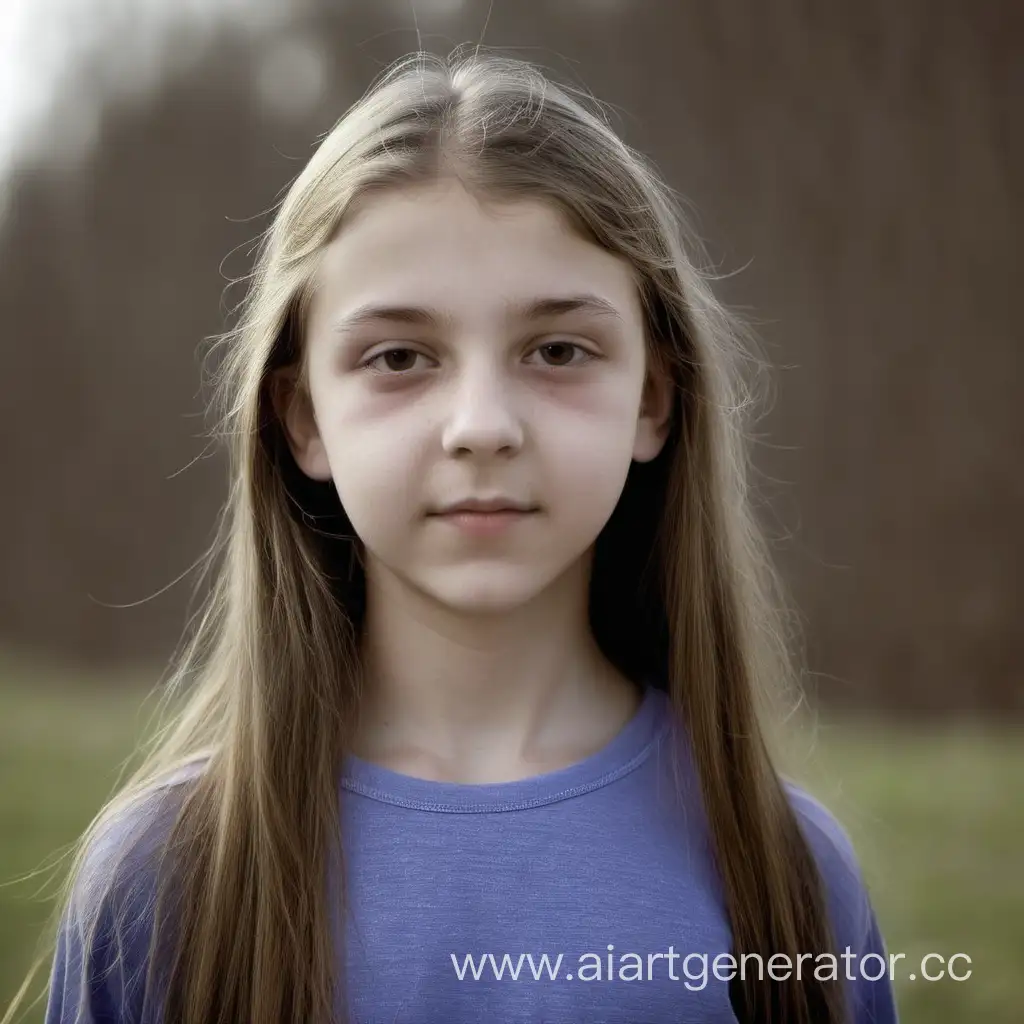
84 986
873 1001
870 992
102 948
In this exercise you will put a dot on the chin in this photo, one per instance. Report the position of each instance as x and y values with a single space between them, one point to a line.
484 590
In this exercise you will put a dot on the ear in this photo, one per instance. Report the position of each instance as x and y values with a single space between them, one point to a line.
655 419
294 410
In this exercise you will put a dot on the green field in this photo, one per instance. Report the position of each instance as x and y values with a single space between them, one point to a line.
937 817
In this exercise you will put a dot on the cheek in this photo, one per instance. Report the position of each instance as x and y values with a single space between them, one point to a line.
588 447
377 469
588 473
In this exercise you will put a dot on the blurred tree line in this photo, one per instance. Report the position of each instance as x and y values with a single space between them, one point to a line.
858 166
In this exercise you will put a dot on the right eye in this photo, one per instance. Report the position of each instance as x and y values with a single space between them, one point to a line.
393 361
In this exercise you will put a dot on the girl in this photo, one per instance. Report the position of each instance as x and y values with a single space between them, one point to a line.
476 729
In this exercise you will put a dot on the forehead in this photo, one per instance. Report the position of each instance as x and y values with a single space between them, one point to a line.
439 245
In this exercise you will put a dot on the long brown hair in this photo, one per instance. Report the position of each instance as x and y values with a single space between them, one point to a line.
683 591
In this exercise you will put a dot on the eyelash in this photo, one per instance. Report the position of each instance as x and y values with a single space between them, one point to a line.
369 363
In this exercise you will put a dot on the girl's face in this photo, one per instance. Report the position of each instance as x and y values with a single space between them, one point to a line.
458 352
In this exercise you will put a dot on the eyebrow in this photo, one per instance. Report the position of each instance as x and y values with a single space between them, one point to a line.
536 309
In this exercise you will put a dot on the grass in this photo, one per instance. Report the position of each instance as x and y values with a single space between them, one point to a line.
936 815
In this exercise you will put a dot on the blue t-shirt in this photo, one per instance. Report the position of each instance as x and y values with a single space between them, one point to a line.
586 894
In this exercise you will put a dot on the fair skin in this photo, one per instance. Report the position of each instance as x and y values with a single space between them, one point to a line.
480 662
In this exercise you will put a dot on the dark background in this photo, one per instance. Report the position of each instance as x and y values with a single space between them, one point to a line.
854 168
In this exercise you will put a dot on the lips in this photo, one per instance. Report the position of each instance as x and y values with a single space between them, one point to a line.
485 505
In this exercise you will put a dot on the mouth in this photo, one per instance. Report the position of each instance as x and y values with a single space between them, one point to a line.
484 518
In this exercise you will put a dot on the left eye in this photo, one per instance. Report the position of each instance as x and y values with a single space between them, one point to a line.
561 353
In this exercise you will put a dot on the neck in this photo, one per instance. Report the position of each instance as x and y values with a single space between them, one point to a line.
489 696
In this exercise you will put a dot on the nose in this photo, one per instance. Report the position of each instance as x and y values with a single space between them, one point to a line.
482 418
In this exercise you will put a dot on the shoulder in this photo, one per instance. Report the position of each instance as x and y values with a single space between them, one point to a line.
823 829
871 992
833 850
106 927
126 844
